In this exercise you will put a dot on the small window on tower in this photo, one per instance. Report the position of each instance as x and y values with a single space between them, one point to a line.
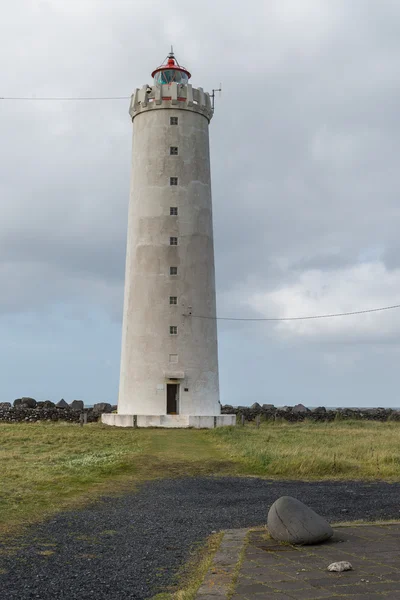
173 299
173 241
173 210
173 181
173 120
173 330
173 150
173 270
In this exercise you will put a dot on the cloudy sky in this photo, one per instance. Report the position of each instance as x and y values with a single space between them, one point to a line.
305 147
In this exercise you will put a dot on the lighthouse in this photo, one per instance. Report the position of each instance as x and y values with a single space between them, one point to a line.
169 356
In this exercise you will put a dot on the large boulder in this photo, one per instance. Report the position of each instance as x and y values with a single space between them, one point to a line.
77 405
62 404
25 403
102 407
300 408
45 404
28 402
5 404
289 520
48 404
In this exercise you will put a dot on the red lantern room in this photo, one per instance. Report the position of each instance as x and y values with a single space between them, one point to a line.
170 72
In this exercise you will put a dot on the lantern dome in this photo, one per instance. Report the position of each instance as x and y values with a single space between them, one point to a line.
170 72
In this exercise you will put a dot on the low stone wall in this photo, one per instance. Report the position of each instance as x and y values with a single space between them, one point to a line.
28 410
32 415
298 413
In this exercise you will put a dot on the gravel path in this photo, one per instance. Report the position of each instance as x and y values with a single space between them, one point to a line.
131 547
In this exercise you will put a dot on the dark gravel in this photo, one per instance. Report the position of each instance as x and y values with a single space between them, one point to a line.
131 547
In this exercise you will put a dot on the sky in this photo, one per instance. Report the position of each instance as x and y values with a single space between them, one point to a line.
305 146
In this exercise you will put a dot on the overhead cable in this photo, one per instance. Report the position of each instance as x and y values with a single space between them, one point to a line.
329 316
65 98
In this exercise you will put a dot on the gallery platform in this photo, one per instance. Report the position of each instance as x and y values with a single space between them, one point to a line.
169 421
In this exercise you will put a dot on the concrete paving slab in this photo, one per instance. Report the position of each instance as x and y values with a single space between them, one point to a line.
267 570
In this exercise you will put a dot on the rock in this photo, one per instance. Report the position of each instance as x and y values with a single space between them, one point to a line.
62 404
319 409
102 407
77 405
25 403
268 407
256 406
227 409
340 566
31 402
48 404
114 408
300 408
289 520
5 404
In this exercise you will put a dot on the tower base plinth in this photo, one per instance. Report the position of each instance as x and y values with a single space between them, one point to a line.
169 421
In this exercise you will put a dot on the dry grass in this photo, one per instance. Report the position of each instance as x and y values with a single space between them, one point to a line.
339 450
46 467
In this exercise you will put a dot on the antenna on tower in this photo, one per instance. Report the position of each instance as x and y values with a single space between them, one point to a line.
213 95
171 54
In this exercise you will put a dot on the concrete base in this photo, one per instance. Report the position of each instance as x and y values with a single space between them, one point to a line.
170 421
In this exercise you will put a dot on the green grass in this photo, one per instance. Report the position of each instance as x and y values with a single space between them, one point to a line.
47 467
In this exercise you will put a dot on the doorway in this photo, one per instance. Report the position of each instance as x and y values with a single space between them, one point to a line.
172 398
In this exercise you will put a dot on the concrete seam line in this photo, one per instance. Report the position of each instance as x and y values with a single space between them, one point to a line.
219 577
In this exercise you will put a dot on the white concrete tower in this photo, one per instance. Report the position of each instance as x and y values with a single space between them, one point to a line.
169 359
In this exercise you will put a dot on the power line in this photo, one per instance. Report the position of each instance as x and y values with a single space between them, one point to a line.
65 98
344 314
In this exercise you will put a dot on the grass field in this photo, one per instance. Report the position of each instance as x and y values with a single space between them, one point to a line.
46 467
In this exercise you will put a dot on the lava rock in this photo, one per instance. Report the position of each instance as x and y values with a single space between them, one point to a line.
102 407
5 404
300 408
62 404
77 405
48 404
289 520
25 403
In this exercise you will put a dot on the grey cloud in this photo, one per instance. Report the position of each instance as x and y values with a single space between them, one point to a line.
304 141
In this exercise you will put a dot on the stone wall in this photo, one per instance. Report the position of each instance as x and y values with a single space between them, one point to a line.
28 410
299 412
